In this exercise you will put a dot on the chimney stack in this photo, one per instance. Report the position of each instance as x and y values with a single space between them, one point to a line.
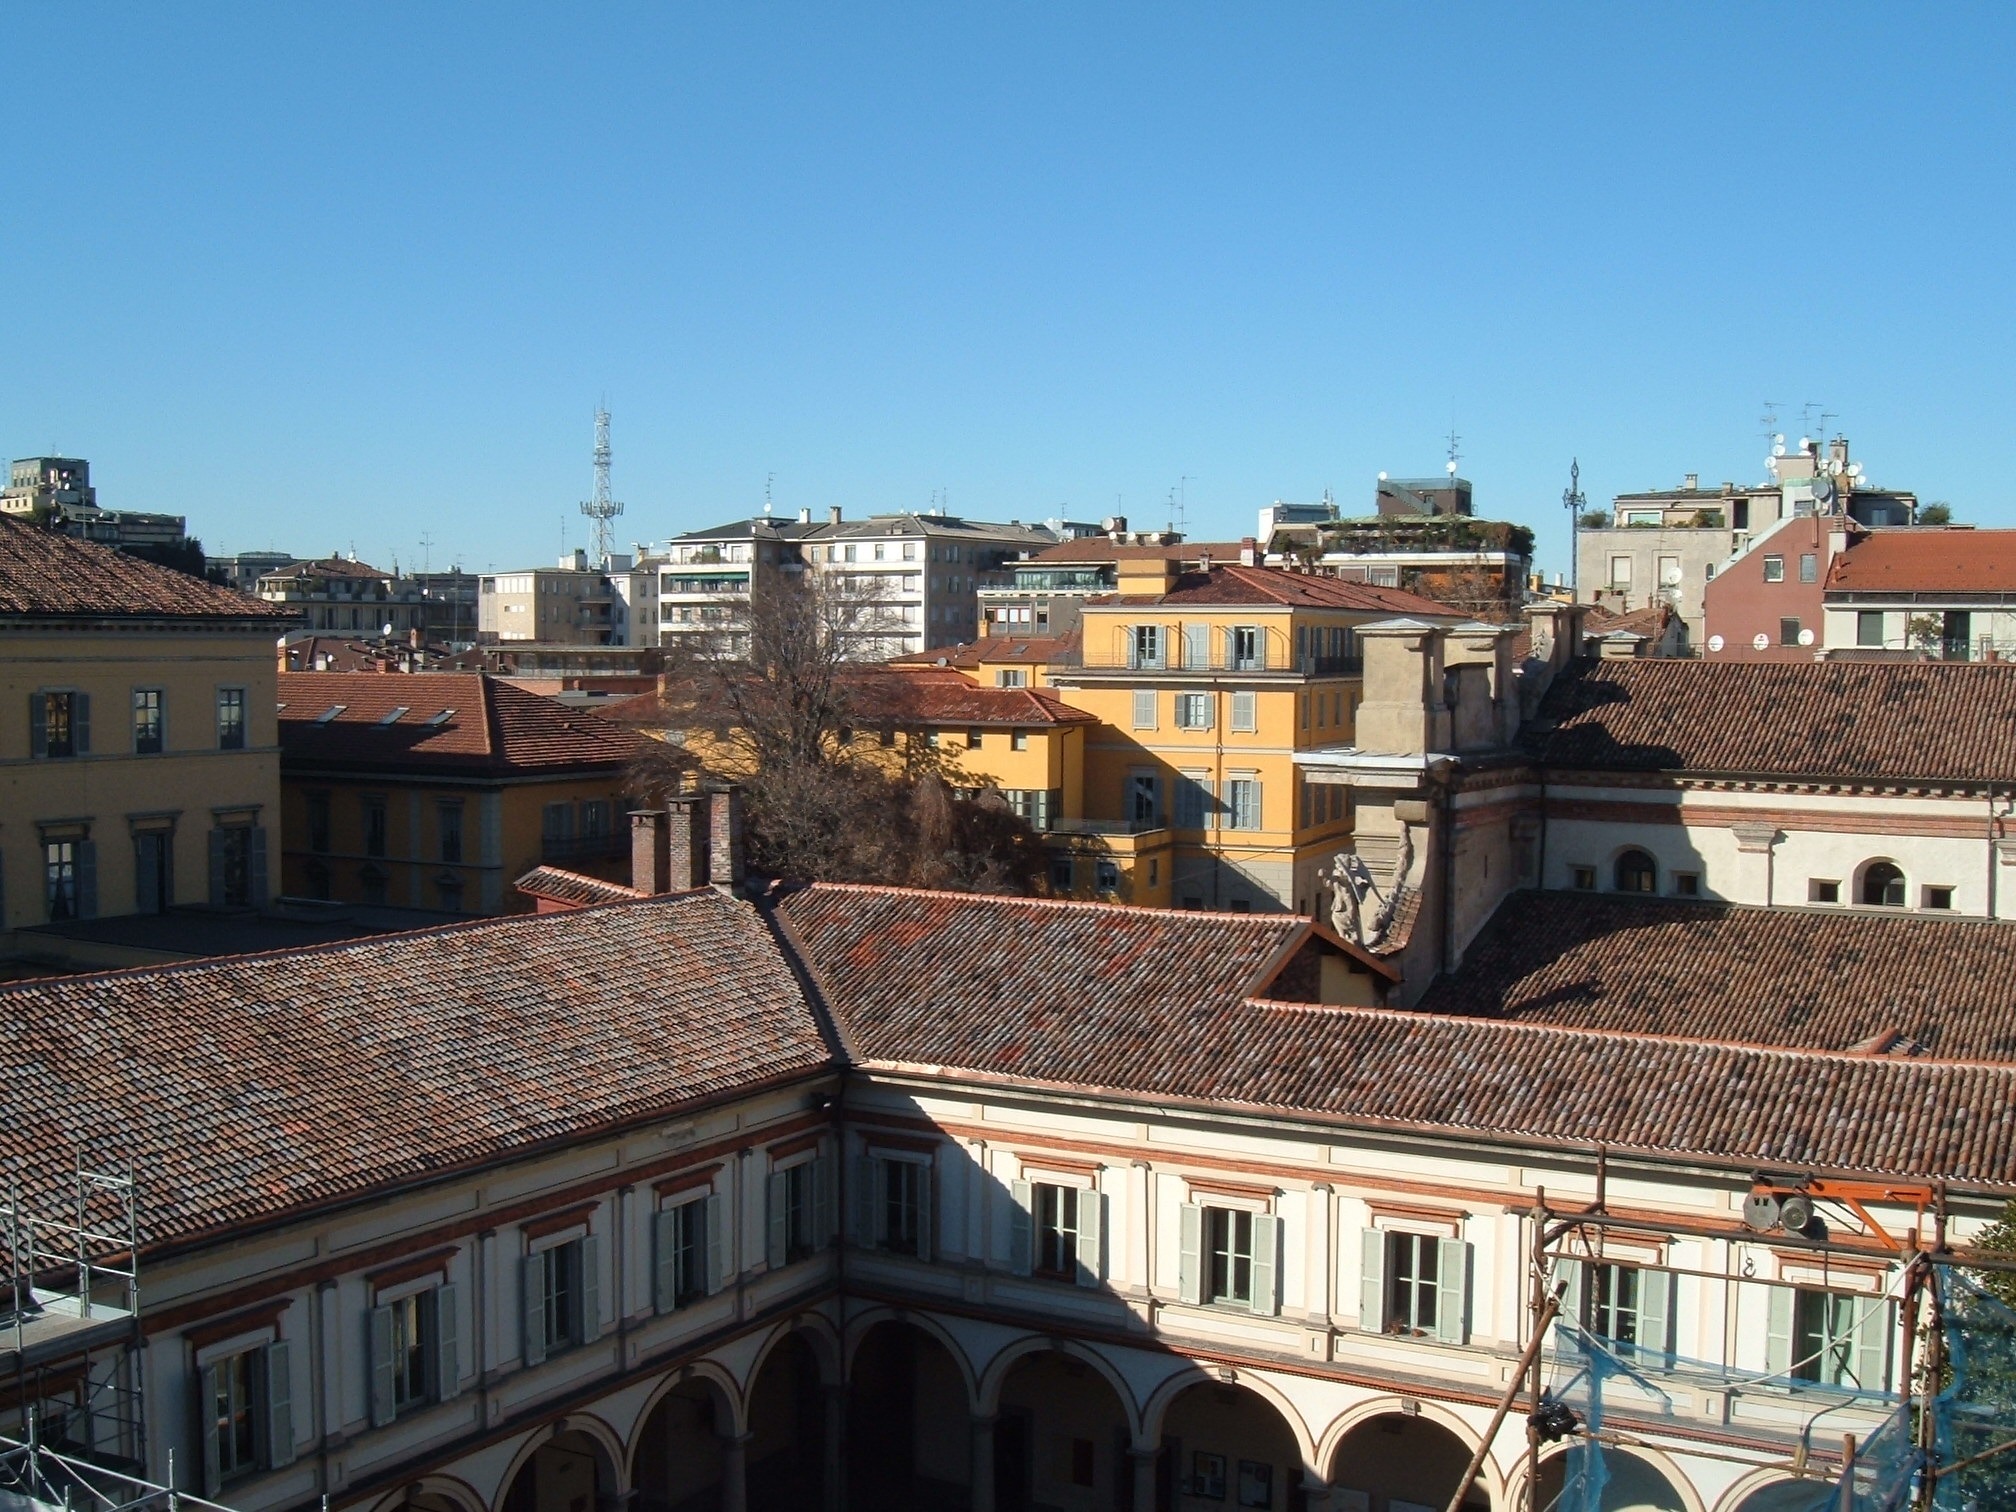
724 848
687 847
650 870
833 514
1249 552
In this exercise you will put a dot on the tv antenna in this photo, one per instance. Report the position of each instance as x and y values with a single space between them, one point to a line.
603 508
768 480
1575 501
1455 448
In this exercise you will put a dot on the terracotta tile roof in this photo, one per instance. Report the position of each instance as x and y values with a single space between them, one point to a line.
1905 722
998 650
1267 586
252 1086
927 697
1099 549
559 886
1088 995
451 720
1926 561
1826 979
331 567
1652 622
46 574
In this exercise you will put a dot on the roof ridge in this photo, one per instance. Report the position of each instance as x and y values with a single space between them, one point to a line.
1125 910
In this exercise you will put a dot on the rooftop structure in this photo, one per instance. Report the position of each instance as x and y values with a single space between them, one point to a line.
57 491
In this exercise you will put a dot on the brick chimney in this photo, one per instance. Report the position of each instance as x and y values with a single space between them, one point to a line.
724 847
687 816
1249 552
650 868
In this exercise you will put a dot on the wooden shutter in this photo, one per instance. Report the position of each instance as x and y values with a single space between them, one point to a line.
147 862
255 869
1872 1344
718 1251
1372 1281
924 1230
778 1193
1022 1229
447 1343
1655 1312
206 1429
1231 647
378 1337
87 879
532 1308
825 1202
279 1416
1190 1257
217 840
1452 1291
38 742
865 1206
590 1290
80 733
1243 706
1196 646
1266 1265
1091 1237
665 1260
1144 708
1778 1330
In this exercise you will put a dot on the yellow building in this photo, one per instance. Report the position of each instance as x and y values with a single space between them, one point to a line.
436 790
139 761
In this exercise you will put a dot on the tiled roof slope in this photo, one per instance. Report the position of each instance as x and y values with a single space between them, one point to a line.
1927 561
562 886
923 697
1901 722
1826 979
492 726
1100 998
46 574
1265 586
997 650
1103 549
250 1086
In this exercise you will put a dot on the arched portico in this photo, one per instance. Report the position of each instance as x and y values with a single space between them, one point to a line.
1240 1440
910 1423
689 1451
1394 1452
1059 1431
1635 1480
578 1462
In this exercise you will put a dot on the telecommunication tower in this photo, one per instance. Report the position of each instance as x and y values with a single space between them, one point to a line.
603 508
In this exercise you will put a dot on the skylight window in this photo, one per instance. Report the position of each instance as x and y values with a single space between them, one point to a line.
396 715
439 719
330 713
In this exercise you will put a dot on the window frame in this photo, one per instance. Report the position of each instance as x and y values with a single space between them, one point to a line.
1228 1252
1774 569
233 719
155 728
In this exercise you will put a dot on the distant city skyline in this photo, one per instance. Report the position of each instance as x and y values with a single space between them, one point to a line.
316 286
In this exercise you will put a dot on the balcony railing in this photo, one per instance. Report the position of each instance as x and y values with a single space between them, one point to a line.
1106 826
581 847
1219 661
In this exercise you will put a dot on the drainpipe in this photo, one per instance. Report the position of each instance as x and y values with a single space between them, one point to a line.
1448 872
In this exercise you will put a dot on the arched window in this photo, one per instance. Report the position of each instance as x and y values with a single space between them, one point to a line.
1637 872
1883 885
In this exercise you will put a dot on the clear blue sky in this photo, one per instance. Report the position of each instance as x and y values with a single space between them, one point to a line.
316 275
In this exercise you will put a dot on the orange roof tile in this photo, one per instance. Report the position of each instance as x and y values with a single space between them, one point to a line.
45 574
1926 561
434 720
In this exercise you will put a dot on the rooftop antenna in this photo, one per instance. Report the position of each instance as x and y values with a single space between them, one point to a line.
1806 415
1825 416
426 551
1574 501
768 479
603 508
1183 501
1455 447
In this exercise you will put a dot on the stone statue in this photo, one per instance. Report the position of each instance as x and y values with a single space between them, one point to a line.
1348 882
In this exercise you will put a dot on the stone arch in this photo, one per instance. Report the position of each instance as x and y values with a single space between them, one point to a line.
1634 869
451 1489
696 1410
911 1436
580 1432
1646 1458
859 1327
1752 1492
1876 872
1433 1432
818 1332
1438 1413
987 1398
1156 1411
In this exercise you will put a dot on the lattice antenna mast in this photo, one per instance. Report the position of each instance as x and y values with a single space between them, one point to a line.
603 508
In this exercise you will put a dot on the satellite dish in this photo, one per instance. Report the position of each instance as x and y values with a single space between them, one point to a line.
1777 446
1854 469
1805 637
1714 643
388 629
1771 466
1452 468
1760 1212
1382 477
1761 641
1796 1213
1805 443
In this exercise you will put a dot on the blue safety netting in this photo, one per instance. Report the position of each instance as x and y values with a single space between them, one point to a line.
1975 1410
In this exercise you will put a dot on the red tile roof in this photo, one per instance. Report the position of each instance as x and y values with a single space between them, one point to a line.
251 1086
1901 722
1099 549
1926 561
998 650
1262 586
45 574
928 697
560 886
489 725
1826 979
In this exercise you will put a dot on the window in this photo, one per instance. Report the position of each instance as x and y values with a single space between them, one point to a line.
1883 885
1061 879
1144 708
1413 1282
1018 740
249 1423
371 883
412 1333
317 805
1620 572
798 1199
448 894
1830 1338
148 721
1245 717
1823 891
1108 876
685 1268
1687 884
448 817
1869 627
1193 799
1144 798
230 719
1669 572
1809 567
900 1197
374 826
59 724
1582 878
562 1297
1774 569
1229 1255
1788 632
153 870
1247 647
1011 677
1610 1310
596 818
1147 648
237 866
1193 711
69 879
1938 897
1243 798
973 738
1636 872
556 827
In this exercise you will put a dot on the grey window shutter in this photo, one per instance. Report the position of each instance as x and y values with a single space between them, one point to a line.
379 1341
1372 1281
1091 1237
1452 1291
256 870
716 1220
80 723
532 1306
206 1429
1778 1330
779 1215
38 733
1243 716
217 868
447 1343
1190 1257
87 879
865 1205
1655 1312
825 1202
925 1233
665 1260
591 1288
279 1406
1231 648
1144 708
1872 1345
1022 1229
1196 646
1266 1265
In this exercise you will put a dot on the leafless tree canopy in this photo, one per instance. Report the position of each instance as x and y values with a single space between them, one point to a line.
772 693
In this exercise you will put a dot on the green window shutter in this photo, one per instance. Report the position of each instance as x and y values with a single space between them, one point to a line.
1655 1312
1091 1237
1022 1229
279 1383
716 1220
825 1201
867 1207
1266 1265
778 1213
38 739
1452 1291
206 1429
379 1339
590 1291
1872 1345
925 1234
1372 1281
665 1260
532 1308
447 1343
80 734
87 879
1778 1330
1190 1259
